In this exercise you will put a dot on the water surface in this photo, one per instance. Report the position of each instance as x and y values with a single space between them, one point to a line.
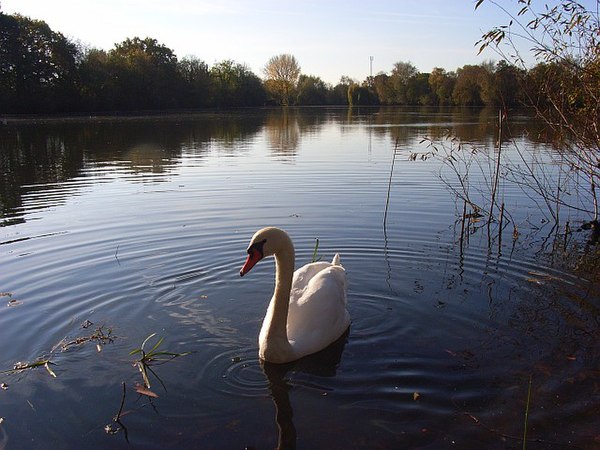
140 225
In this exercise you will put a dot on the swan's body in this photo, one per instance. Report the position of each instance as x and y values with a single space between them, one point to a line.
308 309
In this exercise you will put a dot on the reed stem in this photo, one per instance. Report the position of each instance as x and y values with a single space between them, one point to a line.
387 201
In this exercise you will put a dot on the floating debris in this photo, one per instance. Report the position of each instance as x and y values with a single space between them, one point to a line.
50 371
21 366
102 335
13 301
111 429
142 390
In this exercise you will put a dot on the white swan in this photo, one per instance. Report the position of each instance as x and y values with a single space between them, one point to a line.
308 309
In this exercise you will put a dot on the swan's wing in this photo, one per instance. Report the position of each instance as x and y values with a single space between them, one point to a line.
304 274
320 280
317 314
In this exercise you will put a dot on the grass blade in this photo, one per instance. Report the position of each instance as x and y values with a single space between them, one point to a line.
314 256
160 341
147 339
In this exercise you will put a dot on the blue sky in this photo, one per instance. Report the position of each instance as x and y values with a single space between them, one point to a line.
329 38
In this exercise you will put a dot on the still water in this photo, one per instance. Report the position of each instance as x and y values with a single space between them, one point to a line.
113 229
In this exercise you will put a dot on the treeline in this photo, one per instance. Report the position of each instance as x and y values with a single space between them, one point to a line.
41 71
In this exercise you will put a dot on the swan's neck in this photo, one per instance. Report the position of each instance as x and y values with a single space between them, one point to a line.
273 340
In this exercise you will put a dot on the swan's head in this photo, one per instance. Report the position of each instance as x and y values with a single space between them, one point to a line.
265 242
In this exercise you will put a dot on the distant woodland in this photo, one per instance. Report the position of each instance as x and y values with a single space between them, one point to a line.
42 71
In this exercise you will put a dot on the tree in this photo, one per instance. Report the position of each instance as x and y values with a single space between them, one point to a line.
282 72
196 77
474 85
418 91
146 74
312 91
507 84
37 67
339 93
98 89
383 88
233 84
348 86
401 73
442 85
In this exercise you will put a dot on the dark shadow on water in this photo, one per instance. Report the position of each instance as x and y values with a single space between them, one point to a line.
322 364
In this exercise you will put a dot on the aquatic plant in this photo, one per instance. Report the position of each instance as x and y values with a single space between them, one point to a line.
315 257
153 357
21 366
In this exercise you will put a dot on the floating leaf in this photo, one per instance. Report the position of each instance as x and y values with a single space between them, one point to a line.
142 390
416 396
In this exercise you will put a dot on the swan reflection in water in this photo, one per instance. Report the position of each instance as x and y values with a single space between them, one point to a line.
321 364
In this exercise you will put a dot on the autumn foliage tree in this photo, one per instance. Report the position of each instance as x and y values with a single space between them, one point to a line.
281 77
442 85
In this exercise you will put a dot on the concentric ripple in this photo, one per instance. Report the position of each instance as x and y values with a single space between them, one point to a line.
236 372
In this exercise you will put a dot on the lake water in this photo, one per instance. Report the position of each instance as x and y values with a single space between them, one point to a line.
118 228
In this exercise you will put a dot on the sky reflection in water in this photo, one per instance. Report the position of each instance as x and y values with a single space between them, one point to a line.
140 225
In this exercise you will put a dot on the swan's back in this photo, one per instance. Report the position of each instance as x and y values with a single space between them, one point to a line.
317 316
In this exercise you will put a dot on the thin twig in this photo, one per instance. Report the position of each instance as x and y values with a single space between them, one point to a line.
527 414
117 418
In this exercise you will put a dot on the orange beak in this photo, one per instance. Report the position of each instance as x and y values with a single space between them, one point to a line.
253 258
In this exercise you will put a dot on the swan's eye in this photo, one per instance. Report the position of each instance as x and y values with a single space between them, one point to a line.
258 247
